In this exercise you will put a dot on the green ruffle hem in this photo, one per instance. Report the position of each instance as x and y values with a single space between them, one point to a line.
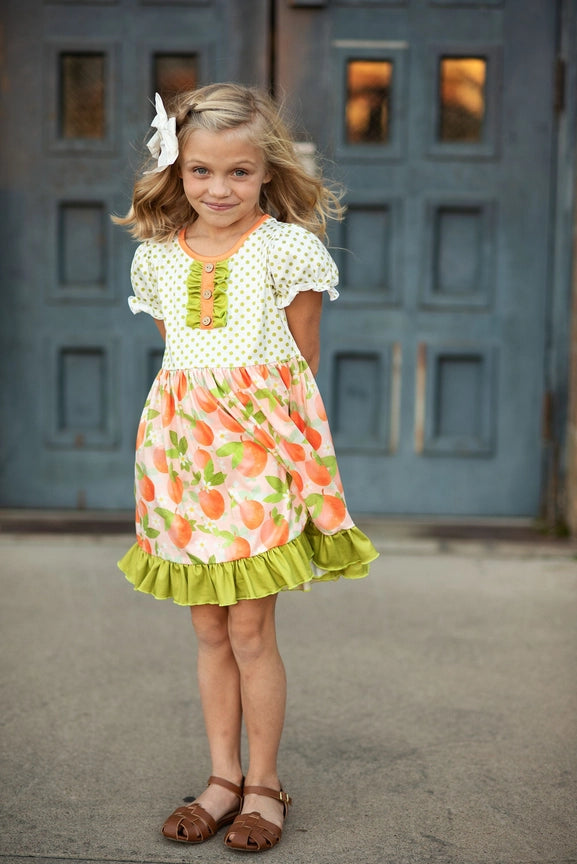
312 556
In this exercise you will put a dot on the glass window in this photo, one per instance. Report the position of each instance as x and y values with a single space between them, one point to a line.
462 101
175 72
82 96
368 106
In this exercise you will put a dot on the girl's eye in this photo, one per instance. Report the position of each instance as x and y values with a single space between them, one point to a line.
200 171
239 172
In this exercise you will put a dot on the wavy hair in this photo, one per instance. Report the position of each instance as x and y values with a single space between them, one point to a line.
159 206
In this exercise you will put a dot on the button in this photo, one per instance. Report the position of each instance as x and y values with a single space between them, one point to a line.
207 293
209 268
206 320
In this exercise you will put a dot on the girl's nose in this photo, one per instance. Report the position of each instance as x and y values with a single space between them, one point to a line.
219 187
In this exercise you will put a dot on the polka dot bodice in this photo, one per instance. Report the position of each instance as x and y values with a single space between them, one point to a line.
267 268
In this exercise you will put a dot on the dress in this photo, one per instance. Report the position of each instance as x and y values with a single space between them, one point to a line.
237 488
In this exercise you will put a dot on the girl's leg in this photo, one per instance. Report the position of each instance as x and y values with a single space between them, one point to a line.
252 634
219 687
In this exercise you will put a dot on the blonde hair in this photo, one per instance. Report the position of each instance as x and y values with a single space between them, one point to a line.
159 207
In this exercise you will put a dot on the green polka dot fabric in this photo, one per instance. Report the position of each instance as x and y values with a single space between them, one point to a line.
272 265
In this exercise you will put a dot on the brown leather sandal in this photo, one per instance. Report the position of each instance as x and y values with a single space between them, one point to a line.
192 823
251 832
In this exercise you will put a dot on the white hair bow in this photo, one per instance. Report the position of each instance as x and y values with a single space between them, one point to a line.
164 144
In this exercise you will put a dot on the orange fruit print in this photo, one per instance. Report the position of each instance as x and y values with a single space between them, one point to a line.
229 422
159 460
253 460
264 438
144 543
297 480
146 487
140 435
175 488
167 408
285 374
319 474
320 408
241 378
274 532
298 421
313 437
332 513
295 452
181 385
212 503
180 531
201 457
205 400
239 548
251 513
203 433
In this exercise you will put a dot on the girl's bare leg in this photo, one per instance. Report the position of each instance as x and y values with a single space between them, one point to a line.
219 687
252 634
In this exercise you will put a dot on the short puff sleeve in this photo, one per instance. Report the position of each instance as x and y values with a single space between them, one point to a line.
144 284
297 262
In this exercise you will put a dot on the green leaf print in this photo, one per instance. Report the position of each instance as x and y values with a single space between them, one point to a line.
150 532
276 483
265 393
260 417
314 503
273 499
167 515
330 462
194 559
172 453
174 438
151 414
183 445
210 477
234 449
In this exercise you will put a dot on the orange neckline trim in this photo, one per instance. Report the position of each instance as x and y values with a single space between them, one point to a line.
216 258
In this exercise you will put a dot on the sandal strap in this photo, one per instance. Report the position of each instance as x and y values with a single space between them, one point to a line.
277 794
220 781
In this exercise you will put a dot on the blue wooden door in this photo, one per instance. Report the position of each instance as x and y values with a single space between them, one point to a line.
439 117
76 365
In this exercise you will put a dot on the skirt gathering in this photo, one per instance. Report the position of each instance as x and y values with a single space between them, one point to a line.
238 493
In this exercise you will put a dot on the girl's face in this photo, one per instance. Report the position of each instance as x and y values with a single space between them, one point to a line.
222 174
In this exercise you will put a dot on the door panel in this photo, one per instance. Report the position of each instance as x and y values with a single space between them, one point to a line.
438 117
433 358
76 365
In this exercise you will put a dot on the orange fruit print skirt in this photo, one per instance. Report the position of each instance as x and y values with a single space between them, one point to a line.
237 487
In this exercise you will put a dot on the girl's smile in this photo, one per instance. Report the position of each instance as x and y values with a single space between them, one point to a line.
222 174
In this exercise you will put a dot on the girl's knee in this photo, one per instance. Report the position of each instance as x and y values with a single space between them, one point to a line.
251 629
210 626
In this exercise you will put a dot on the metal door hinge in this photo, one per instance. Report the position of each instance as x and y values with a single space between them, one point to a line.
560 80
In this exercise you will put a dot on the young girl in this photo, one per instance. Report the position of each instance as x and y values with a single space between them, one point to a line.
238 494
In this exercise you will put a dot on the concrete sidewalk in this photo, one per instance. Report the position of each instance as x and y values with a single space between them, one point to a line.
432 711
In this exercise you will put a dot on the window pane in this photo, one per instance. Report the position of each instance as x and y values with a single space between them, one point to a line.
368 109
462 99
175 72
82 96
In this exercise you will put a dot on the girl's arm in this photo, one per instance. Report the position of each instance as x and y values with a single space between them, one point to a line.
161 328
304 319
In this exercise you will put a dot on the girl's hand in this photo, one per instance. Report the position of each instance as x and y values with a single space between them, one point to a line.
161 328
304 319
